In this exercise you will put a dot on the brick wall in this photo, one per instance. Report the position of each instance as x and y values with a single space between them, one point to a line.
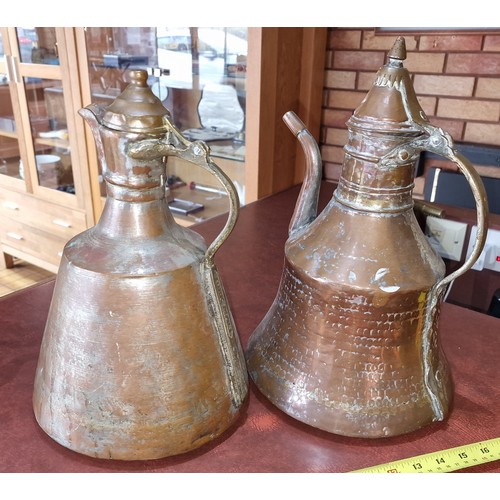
456 77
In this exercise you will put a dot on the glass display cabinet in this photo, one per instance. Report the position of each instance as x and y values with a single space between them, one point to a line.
199 74
42 184
227 86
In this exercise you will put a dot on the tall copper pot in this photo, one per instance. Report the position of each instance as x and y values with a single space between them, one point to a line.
140 357
350 344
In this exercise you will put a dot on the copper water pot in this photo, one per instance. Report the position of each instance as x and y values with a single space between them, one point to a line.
350 344
140 357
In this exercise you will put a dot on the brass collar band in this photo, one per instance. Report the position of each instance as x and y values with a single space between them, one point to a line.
369 199
134 194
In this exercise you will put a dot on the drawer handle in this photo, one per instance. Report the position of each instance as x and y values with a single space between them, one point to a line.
62 223
15 236
10 205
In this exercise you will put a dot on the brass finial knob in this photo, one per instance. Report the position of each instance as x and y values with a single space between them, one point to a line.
398 50
138 77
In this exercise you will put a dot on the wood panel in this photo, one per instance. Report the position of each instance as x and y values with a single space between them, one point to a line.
285 73
311 88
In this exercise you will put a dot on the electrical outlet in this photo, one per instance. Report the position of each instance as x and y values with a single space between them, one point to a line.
490 256
447 237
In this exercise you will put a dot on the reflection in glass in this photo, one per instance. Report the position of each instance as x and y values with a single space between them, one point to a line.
9 147
198 73
37 45
50 135
181 62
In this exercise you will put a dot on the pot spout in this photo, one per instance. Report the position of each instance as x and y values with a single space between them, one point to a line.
306 208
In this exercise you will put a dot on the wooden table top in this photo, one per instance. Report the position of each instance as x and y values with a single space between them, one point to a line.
264 439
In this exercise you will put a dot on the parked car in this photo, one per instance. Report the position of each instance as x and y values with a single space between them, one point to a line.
212 42
176 40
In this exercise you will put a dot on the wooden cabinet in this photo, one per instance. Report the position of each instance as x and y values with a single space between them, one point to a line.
50 184
44 181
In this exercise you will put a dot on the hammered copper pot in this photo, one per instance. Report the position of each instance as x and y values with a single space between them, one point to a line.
350 344
140 357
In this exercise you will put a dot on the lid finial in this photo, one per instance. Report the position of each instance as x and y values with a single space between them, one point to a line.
138 77
398 50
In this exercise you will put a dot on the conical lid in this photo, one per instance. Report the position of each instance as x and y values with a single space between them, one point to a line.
391 103
136 109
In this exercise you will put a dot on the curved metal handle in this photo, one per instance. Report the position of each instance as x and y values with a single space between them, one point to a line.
199 154
175 144
306 207
437 141
479 193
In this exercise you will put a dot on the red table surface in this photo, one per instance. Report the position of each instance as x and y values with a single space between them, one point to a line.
264 439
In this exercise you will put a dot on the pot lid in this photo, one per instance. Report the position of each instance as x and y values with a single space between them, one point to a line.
391 104
136 109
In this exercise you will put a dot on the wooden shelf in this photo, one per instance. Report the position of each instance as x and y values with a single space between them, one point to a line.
54 143
6 133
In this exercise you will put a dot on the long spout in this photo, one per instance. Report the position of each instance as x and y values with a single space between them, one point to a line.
306 208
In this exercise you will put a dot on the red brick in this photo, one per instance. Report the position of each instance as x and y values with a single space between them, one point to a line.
336 136
345 39
358 60
474 64
446 43
332 154
469 109
375 41
483 133
440 163
488 171
428 104
444 85
332 171
424 62
366 80
453 127
344 99
340 79
335 118
324 97
488 87
329 59
492 43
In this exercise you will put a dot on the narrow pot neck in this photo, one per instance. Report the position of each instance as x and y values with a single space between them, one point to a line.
365 184
135 213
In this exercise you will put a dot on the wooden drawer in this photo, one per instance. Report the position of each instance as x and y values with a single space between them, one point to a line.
29 240
40 214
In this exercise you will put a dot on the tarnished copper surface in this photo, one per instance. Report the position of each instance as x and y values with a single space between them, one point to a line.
140 357
350 344
264 439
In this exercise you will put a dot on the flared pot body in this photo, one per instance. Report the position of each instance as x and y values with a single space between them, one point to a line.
350 343
133 364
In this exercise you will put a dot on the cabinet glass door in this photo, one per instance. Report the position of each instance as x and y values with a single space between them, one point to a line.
10 155
47 162
48 125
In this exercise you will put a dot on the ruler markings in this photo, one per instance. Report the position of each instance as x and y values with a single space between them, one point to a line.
448 460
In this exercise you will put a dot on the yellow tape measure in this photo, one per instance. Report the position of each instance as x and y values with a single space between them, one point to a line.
449 460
